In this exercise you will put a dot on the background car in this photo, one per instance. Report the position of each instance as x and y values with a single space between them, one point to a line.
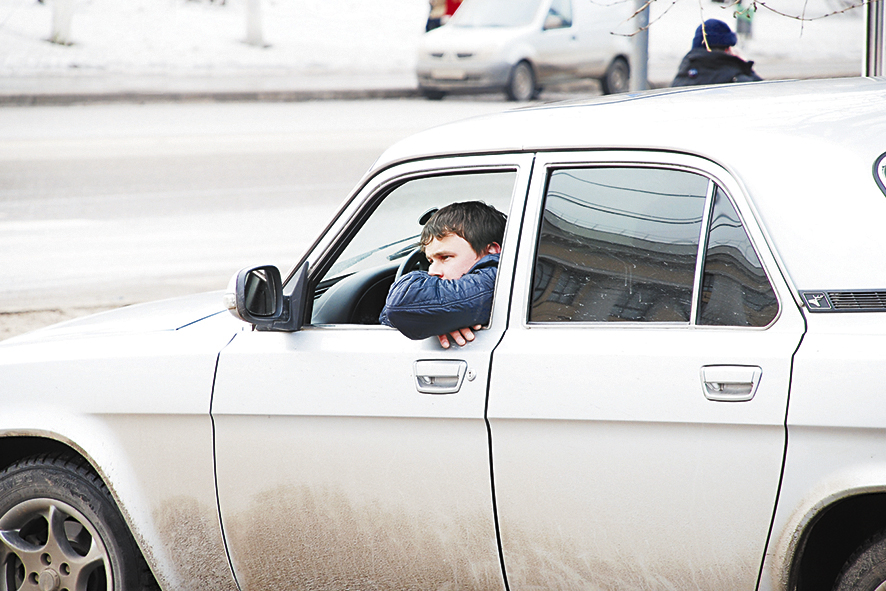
519 47
679 385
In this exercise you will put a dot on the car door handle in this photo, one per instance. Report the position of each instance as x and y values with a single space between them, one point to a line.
730 383
439 376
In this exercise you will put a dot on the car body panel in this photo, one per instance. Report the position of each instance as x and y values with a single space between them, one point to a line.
835 423
586 419
356 476
130 390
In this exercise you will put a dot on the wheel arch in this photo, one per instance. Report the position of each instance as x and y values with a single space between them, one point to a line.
831 535
19 448
16 448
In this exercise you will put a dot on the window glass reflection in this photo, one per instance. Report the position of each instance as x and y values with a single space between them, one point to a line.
735 289
618 245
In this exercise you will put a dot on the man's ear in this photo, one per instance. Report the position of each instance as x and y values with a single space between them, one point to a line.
494 248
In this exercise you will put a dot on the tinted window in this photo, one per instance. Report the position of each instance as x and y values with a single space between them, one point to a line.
735 289
618 245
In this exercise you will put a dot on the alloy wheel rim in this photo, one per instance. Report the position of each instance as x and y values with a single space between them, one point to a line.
48 545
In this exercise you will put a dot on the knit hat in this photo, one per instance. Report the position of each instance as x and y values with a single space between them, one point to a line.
717 32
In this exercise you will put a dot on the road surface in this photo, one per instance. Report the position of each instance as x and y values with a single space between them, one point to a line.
108 205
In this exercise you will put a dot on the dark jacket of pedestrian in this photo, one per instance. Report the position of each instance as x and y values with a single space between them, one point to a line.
701 66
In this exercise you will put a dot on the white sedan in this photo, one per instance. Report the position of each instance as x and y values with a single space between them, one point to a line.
680 385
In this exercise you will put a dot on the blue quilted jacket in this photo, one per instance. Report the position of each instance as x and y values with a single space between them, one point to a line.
421 305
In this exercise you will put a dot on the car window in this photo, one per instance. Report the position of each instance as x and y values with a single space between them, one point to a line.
356 278
559 15
735 290
621 244
618 245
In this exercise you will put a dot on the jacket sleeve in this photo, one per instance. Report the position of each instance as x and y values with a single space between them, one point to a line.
421 305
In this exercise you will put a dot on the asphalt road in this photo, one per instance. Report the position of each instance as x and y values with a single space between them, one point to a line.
108 205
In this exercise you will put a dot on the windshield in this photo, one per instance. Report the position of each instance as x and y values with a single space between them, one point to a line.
495 13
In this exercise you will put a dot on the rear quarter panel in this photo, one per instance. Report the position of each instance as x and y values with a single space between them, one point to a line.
836 428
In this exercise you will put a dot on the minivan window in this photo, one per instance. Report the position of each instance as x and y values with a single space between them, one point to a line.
494 13
559 15
618 244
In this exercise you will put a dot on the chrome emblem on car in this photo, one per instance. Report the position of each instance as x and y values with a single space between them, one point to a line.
816 301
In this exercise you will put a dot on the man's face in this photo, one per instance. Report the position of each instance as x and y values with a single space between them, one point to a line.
452 256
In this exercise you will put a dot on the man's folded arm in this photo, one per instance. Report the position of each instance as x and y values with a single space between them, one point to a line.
421 305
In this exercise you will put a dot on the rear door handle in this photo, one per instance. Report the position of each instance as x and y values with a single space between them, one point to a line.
730 383
439 376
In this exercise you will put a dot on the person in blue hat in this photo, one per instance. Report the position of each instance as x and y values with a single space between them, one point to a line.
712 59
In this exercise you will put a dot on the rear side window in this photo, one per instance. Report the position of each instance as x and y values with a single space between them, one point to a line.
618 244
735 290
622 244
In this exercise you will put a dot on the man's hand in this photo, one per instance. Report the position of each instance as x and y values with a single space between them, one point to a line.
462 336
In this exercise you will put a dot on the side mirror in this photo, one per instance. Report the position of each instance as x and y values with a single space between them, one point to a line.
255 295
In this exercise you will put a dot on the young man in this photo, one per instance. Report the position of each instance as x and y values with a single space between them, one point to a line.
462 242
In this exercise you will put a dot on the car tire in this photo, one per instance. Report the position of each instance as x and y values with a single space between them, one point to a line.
866 568
62 530
431 94
521 84
617 77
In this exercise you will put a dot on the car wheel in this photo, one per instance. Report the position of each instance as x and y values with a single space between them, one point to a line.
60 529
521 85
617 77
866 569
434 95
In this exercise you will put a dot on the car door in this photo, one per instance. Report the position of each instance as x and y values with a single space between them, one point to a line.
638 399
347 455
556 45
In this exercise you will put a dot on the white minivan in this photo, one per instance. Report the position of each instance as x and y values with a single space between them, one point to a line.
519 46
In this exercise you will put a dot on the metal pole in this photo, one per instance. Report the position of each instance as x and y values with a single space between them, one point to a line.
640 48
873 58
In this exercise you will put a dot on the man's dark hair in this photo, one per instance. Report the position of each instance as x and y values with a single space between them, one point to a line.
479 224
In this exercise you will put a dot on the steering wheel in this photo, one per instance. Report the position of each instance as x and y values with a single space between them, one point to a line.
415 261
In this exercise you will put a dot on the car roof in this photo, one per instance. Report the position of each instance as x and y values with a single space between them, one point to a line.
803 150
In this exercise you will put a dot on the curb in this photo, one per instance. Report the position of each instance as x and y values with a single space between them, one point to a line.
78 98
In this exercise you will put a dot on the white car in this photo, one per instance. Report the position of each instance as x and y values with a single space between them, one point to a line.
518 47
680 385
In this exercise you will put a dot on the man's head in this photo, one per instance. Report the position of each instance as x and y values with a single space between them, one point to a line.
459 235
714 34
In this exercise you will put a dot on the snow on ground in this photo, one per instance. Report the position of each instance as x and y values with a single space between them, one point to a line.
178 37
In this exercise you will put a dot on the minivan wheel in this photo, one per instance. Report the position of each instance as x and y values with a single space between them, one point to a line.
617 77
521 85
60 529
866 568
431 94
